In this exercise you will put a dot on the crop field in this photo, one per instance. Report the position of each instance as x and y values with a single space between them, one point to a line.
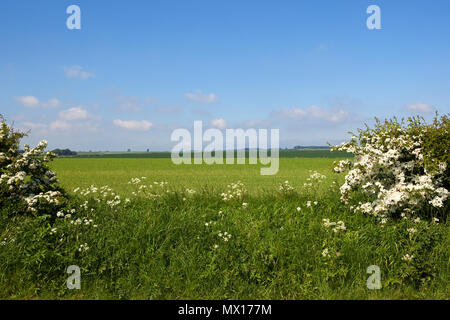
117 172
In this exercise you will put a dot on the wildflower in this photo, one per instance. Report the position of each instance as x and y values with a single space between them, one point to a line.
83 247
225 236
336 226
235 191
286 187
407 257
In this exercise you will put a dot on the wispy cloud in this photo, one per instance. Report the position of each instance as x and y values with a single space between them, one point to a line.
32 125
133 125
201 112
33 102
256 124
52 103
60 125
315 112
219 123
168 109
419 107
127 103
199 96
76 113
77 72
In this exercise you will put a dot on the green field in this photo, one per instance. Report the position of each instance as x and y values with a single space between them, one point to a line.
184 241
116 172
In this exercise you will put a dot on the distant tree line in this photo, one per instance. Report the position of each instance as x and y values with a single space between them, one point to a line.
64 152
311 147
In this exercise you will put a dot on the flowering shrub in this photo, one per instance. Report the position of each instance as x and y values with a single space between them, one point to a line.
398 168
27 185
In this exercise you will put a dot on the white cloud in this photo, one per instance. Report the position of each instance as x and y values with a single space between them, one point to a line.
57 125
295 113
70 121
52 103
77 72
134 125
34 126
33 102
128 103
256 124
330 115
219 123
67 119
28 101
60 125
419 107
168 109
72 114
198 96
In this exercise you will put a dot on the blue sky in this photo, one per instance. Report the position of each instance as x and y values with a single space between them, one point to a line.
139 69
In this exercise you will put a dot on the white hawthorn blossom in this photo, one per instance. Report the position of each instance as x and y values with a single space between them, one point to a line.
24 176
389 170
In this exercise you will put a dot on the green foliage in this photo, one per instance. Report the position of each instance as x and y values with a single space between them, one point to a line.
437 145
